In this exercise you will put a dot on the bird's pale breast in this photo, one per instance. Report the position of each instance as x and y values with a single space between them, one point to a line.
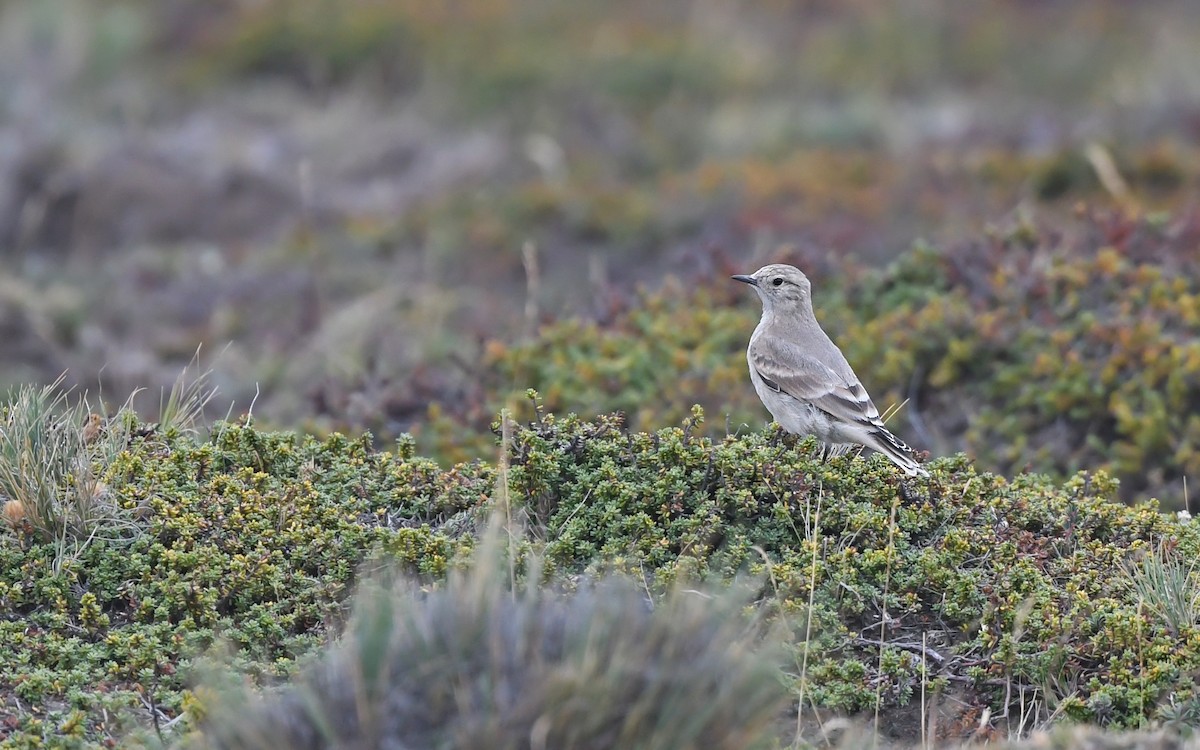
797 417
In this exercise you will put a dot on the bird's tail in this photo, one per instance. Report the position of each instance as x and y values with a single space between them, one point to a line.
896 450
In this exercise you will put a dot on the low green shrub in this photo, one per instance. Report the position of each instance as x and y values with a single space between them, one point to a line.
1005 587
1051 349
247 538
984 596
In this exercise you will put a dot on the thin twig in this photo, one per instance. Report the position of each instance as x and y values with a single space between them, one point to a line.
812 586
533 282
887 581
916 648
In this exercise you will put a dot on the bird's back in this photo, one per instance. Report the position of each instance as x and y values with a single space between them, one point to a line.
810 339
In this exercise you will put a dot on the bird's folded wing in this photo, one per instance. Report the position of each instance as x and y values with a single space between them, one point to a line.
786 368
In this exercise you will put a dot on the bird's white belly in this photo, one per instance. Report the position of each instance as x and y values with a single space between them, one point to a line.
797 417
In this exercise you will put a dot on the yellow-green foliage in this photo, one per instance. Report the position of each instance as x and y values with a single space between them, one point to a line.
490 51
669 351
1029 347
1015 583
313 41
1076 349
249 537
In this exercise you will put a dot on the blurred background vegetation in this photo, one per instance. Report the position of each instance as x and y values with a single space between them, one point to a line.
394 215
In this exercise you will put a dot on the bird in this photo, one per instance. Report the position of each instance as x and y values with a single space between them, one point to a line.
803 378
91 428
14 512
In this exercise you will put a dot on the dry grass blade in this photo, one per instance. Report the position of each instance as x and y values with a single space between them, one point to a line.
182 409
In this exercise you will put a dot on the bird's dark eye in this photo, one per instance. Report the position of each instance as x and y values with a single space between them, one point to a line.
777 281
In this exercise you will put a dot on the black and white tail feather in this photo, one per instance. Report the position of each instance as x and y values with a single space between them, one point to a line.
897 450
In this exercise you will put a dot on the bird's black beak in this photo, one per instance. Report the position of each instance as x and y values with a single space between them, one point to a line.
745 279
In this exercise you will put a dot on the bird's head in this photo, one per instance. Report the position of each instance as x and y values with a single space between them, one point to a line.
780 286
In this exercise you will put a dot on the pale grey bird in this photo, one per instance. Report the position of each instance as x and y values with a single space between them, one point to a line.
802 377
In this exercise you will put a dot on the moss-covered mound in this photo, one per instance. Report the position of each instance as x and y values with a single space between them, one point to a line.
1007 602
998 591
248 537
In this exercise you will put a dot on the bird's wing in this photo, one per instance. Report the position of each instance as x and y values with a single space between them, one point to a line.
784 367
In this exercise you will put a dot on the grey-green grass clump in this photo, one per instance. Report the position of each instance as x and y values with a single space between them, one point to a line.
53 453
473 664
